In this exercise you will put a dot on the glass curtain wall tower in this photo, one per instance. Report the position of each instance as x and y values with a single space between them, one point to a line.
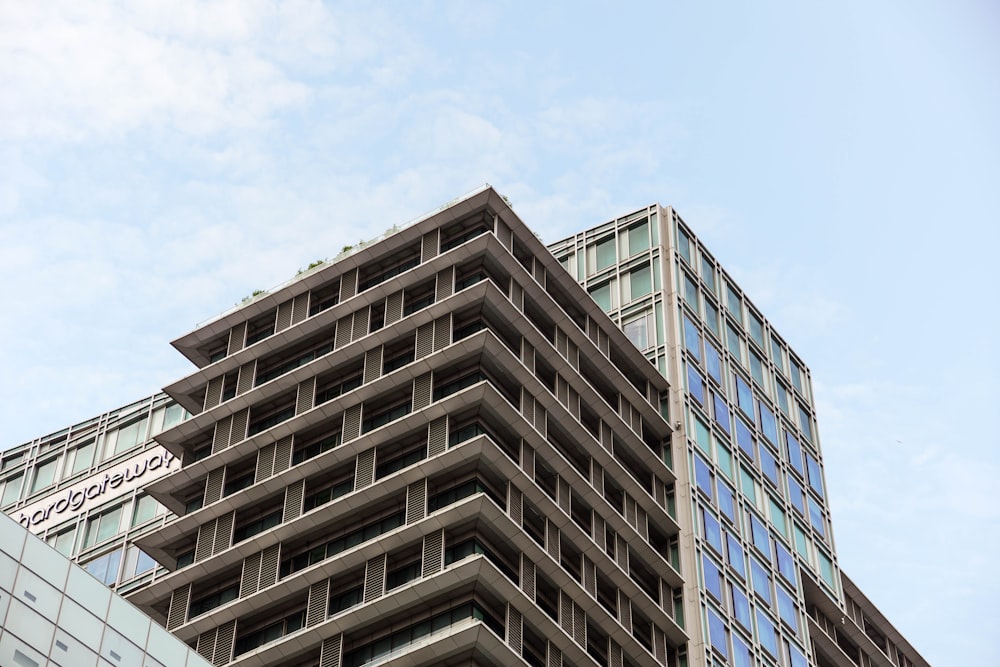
760 560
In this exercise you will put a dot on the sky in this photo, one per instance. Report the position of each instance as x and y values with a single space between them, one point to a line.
159 161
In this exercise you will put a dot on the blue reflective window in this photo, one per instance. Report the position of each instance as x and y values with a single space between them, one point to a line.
726 503
816 517
744 397
696 386
795 495
717 633
761 540
692 338
786 609
786 566
712 318
757 369
690 292
769 467
761 580
745 439
765 632
721 413
712 362
713 532
741 653
797 658
713 580
736 557
794 452
815 476
703 475
768 426
741 608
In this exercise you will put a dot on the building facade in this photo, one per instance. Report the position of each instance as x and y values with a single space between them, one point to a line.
54 613
439 450
760 561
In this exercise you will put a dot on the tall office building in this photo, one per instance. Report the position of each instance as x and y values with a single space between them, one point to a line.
760 564
439 450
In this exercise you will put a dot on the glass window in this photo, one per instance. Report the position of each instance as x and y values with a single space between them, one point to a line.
717 633
765 632
684 245
769 467
747 485
768 425
736 557
794 453
174 415
733 303
105 568
786 566
726 503
641 282
761 580
696 386
776 356
637 331
796 656
638 238
102 527
801 541
605 253
63 542
11 490
756 329
757 370
786 608
692 338
45 474
797 378
690 292
761 539
721 412
733 343
130 436
778 518
702 435
713 532
602 295
741 653
744 397
712 318
826 569
724 459
816 517
81 458
804 423
708 272
703 475
795 495
146 508
782 398
713 580
815 476
137 562
741 608
744 439
712 363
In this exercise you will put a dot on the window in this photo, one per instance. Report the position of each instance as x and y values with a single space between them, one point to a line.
602 295
726 503
105 567
761 540
137 562
717 633
757 370
765 632
708 272
703 475
692 338
797 378
741 653
741 608
102 527
733 303
816 517
80 459
684 245
721 413
768 425
747 486
690 292
45 474
795 495
804 423
736 558
778 518
756 329
146 508
786 566
769 467
786 609
713 580
605 253
641 282
713 532
744 439
712 363
733 343
637 330
776 355
712 318
11 490
125 438
63 542
761 580
782 398
815 476
794 453
638 237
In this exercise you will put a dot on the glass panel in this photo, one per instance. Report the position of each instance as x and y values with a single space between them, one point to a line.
768 425
696 386
690 292
602 295
45 474
713 532
713 580
722 413
741 608
717 633
765 632
712 363
642 282
638 238
736 557
606 253
703 475
815 476
692 338
757 330
733 303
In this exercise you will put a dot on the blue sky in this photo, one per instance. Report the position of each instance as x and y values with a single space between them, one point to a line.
161 160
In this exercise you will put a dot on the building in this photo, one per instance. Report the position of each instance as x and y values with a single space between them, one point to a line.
438 449
52 612
760 563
